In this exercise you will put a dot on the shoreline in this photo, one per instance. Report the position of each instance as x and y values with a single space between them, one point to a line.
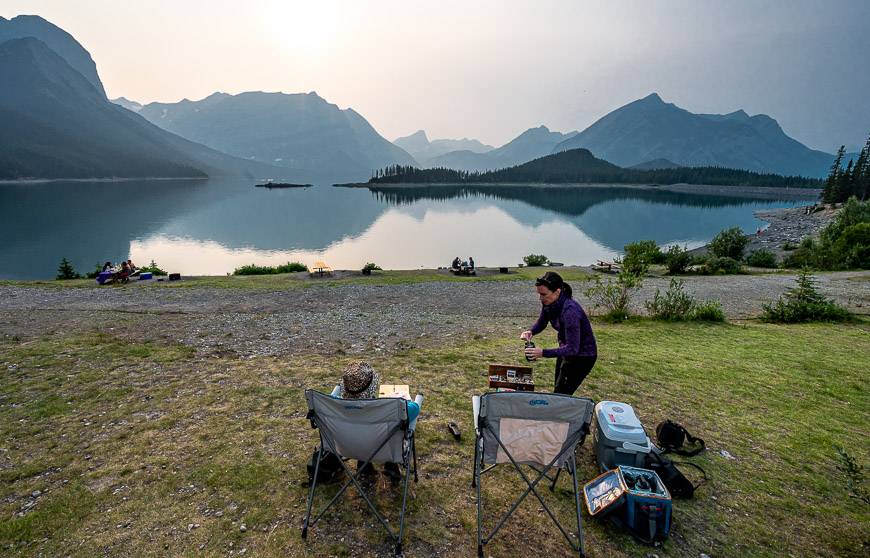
115 179
785 225
772 192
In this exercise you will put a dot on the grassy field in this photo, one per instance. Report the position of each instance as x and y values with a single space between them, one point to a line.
111 447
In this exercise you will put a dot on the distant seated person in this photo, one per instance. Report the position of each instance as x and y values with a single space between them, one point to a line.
470 262
360 381
133 269
124 273
107 266
456 263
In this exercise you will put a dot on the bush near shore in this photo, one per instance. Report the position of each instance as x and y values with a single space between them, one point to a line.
252 269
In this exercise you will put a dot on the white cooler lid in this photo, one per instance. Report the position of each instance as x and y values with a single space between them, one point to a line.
618 422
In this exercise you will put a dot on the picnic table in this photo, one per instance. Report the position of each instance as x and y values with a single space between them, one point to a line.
320 268
606 267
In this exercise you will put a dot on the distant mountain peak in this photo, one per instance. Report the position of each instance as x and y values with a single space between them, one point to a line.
653 97
58 40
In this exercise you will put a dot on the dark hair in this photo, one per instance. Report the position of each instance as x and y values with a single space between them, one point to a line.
553 281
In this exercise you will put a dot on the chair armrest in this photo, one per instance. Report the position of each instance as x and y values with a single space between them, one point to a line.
336 391
475 410
419 400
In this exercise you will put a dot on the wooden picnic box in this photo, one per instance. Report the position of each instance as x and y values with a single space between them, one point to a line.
511 376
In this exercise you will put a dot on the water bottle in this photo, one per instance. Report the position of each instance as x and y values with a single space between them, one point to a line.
530 345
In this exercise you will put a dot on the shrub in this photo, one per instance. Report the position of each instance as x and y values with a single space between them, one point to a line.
153 269
253 269
852 249
614 296
66 271
536 260
674 305
805 255
677 259
804 303
708 311
789 246
729 244
646 251
291 267
720 266
761 258
371 267
98 268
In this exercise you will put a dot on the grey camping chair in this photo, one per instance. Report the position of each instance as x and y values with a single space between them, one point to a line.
536 430
368 430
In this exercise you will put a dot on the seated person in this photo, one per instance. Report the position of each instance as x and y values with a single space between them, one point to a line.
133 269
360 381
470 262
124 273
107 266
456 263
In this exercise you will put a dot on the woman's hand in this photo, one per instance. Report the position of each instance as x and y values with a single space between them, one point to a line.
534 352
526 335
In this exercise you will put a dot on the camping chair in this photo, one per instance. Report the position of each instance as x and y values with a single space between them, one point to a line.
369 430
538 430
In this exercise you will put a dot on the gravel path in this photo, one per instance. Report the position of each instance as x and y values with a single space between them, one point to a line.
351 318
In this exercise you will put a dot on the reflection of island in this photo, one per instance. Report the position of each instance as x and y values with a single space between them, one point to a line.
612 216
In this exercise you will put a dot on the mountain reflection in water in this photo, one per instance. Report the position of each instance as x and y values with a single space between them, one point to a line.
211 227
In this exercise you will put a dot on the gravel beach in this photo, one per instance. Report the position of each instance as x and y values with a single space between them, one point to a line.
353 318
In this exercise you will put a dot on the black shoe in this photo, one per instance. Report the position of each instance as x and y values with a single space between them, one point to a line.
391 470
364 471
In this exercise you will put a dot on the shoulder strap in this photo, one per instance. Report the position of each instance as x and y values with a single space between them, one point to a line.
701 446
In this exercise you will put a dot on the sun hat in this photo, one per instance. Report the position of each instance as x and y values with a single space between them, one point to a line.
359 381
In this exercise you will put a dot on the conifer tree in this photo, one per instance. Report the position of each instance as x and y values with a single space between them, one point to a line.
65 270
829 193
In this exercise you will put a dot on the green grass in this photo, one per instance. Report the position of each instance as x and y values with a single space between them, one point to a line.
294 281
131 443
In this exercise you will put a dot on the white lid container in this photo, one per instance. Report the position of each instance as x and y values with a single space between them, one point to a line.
618 423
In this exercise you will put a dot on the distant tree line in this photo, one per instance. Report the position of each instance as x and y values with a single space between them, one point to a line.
854 180
579 166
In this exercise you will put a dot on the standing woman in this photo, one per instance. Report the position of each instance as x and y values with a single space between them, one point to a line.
577 350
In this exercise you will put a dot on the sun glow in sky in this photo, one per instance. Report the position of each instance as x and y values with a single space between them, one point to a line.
490 69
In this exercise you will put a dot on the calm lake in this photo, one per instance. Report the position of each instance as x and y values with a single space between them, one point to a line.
211 227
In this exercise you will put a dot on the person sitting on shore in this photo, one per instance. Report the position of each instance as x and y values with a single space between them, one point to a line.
107 266
456 263
470 262
133 269
124 273
360 381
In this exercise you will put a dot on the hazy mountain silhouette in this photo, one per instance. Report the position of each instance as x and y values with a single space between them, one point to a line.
128 104
55 123
57 40
649 129
531 144
300 131
423 150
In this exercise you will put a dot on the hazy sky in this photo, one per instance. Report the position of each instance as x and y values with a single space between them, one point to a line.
489 70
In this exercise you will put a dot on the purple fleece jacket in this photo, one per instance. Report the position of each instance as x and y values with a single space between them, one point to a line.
572 326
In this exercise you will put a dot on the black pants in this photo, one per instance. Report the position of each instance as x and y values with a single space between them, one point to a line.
570 373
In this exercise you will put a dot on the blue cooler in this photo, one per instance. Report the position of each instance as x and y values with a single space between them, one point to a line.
647 508
145 275
619 436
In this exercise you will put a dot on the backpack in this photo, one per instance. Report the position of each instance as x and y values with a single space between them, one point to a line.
330 468
671 437
678 485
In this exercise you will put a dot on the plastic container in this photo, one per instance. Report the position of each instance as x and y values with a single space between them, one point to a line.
619 436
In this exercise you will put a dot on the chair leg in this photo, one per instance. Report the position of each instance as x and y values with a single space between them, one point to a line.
476 483
414 452
402 513
476 451
311 492
581 544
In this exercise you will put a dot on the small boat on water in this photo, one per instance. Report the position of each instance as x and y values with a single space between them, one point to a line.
270 184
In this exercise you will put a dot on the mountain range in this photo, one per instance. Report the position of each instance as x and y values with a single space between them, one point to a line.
531 144
299 131
55 122
423 150
649 129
